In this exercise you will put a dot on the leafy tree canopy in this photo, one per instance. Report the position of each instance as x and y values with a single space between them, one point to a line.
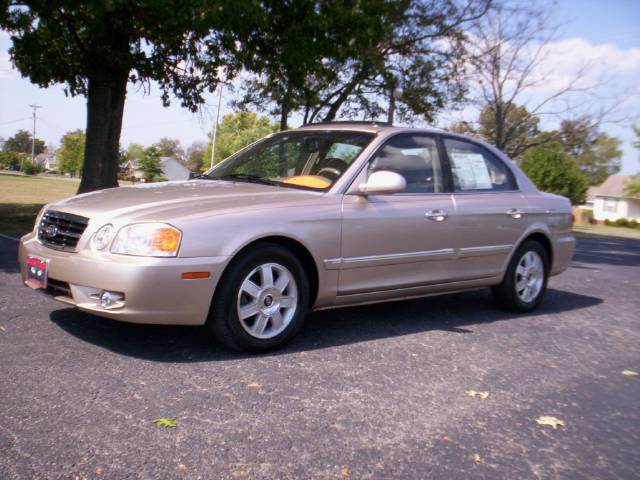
195 156
355 58
236 131
94 48
170 147
134 152
516 132
21 143
150 164
597 154
553 170
71 152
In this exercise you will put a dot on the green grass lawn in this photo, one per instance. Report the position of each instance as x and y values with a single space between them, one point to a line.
21 198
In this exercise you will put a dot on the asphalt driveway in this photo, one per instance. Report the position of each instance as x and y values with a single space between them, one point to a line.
367 392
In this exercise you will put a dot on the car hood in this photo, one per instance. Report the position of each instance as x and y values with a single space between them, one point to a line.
166 201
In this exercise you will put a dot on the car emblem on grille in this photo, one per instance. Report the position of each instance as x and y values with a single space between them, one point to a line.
51 231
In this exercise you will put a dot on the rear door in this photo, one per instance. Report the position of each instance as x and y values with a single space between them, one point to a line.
490 210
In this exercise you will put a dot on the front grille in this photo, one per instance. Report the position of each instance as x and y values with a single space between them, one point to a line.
58 288
61 231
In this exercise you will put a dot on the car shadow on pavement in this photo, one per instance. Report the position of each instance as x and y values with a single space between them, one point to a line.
452 313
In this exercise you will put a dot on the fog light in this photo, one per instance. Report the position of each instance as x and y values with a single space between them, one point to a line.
107 298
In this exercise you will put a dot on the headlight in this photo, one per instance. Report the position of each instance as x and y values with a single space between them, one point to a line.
147 240
36 225
102 237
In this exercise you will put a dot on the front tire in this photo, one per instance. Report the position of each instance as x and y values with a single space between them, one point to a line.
525 281
261 301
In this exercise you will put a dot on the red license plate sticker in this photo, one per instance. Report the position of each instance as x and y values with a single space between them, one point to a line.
37 272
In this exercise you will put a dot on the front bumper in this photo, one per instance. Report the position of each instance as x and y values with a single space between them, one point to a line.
153 289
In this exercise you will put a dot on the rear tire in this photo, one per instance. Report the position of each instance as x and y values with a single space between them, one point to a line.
525 281
261 300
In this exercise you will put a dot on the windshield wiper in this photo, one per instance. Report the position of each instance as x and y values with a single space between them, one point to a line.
246 177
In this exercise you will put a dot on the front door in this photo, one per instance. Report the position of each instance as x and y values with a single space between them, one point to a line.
402 240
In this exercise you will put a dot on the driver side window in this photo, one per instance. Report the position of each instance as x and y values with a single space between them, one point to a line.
416 158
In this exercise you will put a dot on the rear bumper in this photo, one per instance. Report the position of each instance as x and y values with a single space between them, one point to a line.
153 289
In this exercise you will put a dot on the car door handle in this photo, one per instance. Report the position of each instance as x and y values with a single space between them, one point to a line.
515 213
437 215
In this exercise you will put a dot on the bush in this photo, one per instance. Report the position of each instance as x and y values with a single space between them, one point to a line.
621 222
554 171
608 222
9 160
31 168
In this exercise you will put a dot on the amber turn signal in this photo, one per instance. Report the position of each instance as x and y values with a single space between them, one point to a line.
195 275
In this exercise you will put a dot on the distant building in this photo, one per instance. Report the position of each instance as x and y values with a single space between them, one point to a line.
609 201
48 161
172 169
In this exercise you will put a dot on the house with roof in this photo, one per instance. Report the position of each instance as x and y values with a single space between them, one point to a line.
47 161
172 169
610 201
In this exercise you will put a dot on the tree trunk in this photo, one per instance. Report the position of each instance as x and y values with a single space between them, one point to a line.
105 106
284 112
392 106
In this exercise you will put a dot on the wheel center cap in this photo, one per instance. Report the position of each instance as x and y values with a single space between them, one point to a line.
268 301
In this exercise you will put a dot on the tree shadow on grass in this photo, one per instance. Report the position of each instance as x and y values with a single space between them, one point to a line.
452 313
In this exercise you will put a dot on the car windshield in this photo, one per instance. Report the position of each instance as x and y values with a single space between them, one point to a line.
304 159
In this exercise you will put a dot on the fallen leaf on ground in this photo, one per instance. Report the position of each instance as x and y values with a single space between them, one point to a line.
630 373
253 385
181 466
551 421
166 422
2 329
473 393
345 472
477 458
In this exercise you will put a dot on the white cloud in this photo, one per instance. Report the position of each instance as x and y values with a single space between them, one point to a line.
565 61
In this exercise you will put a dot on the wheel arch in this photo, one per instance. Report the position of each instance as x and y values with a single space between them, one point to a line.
297 248
544 240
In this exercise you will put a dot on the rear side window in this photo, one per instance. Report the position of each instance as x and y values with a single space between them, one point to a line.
476 169
415 157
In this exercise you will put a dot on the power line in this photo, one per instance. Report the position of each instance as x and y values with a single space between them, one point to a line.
15 121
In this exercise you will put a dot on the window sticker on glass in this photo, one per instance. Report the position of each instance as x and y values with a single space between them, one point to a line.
471 171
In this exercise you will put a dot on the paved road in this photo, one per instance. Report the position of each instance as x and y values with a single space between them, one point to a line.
369 392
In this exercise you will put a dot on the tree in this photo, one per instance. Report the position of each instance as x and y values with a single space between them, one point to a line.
170 147
96 48
21 143
554 171
134 152
633 187
596 153
71 152
150 164
238 130
508 75
10 160
516 132
358 58
195 156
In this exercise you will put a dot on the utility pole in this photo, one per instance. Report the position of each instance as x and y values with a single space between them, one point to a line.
33 136
215 126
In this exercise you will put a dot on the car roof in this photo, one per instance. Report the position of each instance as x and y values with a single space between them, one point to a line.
371 127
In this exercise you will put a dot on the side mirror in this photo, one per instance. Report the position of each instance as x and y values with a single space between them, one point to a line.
383 182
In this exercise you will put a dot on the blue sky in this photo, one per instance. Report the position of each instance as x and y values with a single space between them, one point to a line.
592 30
